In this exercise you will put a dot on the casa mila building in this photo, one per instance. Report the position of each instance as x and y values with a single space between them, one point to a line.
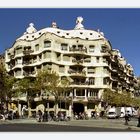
84 56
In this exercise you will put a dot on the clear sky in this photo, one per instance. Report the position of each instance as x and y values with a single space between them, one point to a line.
120 26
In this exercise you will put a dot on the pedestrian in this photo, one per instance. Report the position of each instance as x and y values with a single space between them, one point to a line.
138 125
23 111
126 118
40 114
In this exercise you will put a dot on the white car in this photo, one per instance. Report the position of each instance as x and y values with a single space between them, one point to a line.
111 115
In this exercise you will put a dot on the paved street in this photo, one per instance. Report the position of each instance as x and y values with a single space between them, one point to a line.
94 125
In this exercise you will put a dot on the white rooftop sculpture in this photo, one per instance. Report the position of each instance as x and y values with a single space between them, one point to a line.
54 25
31 29
79 24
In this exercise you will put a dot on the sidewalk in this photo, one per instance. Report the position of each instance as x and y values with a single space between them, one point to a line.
99 123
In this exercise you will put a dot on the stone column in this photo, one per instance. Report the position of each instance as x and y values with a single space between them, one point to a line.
88 93
85 108
22 72
85 93
70 110
61 57
19 109
74 92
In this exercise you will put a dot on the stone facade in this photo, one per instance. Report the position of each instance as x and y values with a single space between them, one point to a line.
84 56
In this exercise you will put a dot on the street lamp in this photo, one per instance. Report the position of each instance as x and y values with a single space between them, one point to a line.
47 107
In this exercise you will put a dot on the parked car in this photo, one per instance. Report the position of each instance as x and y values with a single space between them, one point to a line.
129 110
114 113
122 112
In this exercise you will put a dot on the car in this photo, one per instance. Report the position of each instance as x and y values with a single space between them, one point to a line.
111 115
114 113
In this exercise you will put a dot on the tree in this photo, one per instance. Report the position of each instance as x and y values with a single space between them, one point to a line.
117 99
51 82
26 86
6 86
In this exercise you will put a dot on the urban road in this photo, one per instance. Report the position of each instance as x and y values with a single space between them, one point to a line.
92 125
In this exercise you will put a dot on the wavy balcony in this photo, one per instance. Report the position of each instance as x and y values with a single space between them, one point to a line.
78 50
77 73
78 61
93 98
27 52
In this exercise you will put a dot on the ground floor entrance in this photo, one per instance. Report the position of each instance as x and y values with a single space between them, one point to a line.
78 107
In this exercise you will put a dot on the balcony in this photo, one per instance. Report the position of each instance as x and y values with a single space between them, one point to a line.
80 98
79 83
77 61
27 52
76 73
105 50
78 50
26 62
93 98
28 74
87 60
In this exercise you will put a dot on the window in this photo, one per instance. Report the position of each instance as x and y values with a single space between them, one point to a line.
47 44
66 58
104 49
18 72
58 57
37 47
19 61
80 46
106 70
38 68
8 55
87 60
47 66
93 93
18 50
46 55
40 57
91 70
35 59
64 47
106 81
61 69
105 60
91 81
91 48
97 59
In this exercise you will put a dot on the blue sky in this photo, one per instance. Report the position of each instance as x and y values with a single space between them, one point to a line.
120 26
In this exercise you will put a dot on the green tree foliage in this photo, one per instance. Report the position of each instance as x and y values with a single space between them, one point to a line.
50 82
118 99
26 86
6 84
